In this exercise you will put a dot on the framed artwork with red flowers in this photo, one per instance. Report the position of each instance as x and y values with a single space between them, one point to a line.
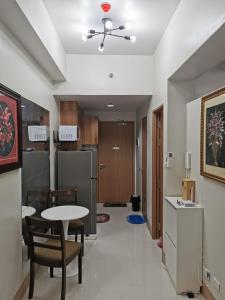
213 136
10 130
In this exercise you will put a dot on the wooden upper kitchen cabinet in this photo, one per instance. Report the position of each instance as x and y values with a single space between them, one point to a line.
72 114
90 136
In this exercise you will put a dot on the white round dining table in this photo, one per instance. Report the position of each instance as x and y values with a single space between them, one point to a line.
66 213
27 211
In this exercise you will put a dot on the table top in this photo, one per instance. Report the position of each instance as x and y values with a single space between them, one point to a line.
178 203
27 211
65 213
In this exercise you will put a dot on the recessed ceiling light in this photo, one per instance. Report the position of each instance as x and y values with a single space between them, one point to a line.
110 105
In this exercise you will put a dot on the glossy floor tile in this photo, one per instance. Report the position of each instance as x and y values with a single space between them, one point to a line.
124 263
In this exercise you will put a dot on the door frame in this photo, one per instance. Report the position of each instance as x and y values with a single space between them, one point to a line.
155 113
144 165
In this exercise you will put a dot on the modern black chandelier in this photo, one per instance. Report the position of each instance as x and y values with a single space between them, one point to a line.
108 30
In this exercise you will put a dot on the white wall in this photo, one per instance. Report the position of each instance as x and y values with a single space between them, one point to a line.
181 40
21 74
88 75
38 17
113 116
179 93
210 81
140 114
191 25
210 194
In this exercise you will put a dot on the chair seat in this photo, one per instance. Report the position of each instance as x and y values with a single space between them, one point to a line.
75 225
50 257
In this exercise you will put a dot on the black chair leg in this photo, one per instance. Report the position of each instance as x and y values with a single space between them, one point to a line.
51 272
82 240
63 292
80 266
76 237
32 274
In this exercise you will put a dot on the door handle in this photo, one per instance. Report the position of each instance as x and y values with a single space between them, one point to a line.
101 166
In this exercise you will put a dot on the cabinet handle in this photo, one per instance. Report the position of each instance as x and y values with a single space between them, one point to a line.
101 166
78 132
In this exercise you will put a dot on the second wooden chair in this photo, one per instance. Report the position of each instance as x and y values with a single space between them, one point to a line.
69 197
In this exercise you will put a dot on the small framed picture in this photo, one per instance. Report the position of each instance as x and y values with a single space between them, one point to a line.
10 130
212 154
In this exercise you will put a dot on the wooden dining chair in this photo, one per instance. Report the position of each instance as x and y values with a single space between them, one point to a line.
54 252
40 200
69 197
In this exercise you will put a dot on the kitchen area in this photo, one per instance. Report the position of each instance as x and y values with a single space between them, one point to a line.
77 158
76 161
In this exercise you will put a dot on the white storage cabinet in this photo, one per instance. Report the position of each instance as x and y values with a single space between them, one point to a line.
183 231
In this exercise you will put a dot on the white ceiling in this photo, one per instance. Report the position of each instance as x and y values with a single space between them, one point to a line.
99 103
148 20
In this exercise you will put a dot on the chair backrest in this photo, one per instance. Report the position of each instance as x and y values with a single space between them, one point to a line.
64 197
39 199
35 226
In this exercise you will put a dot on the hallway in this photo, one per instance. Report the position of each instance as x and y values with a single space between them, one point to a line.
123 263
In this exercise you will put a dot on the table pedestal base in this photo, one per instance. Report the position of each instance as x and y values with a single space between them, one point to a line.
71 269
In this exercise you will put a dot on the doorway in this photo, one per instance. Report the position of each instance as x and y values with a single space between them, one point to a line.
157 173
144 167
116 161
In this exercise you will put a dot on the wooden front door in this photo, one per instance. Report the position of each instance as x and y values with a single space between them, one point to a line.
144 167
116 161
157 173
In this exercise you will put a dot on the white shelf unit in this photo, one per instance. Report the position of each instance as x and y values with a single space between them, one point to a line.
183 238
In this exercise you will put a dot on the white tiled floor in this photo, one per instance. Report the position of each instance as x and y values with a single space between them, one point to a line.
124 263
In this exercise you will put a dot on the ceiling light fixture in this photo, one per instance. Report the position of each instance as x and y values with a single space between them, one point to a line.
110 105
108 30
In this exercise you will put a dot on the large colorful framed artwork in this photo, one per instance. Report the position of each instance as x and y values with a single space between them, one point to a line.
213 136
10 130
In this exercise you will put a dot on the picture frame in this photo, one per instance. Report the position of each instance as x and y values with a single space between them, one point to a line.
10 130
212 153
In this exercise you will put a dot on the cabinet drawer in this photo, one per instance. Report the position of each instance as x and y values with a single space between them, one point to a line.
170 258
171 222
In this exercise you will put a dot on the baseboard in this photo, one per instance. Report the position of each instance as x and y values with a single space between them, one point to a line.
149 228
207 294
24 285
163 258
22 289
